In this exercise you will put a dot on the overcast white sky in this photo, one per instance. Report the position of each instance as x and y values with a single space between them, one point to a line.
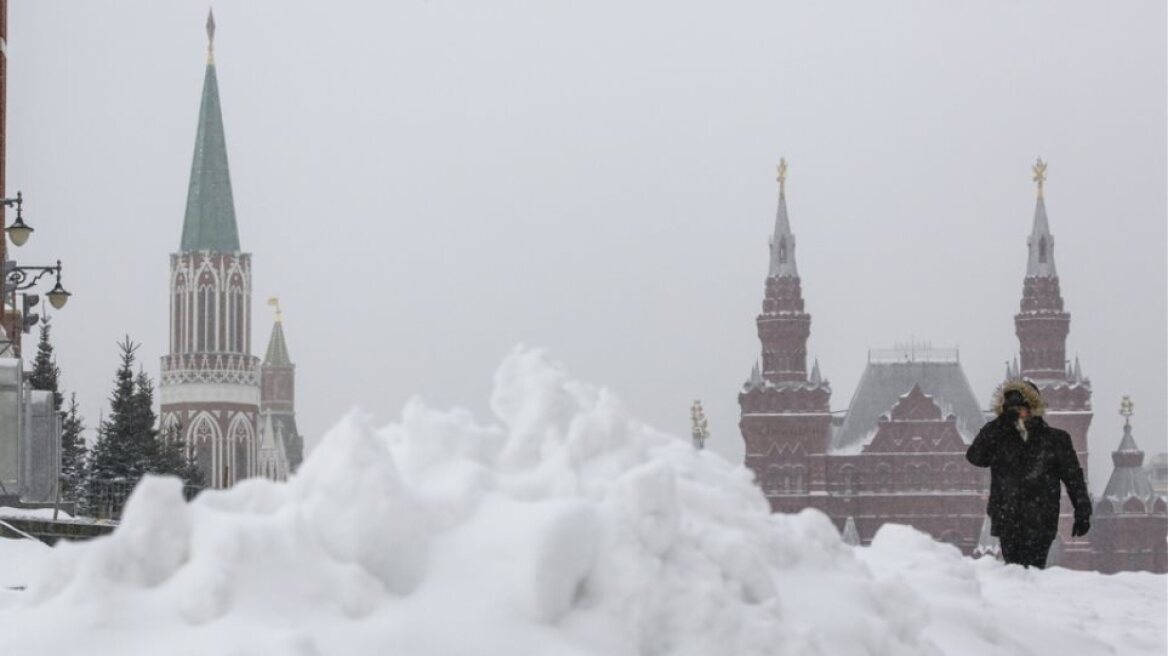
426 184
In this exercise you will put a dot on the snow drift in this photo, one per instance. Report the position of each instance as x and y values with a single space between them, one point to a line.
567 527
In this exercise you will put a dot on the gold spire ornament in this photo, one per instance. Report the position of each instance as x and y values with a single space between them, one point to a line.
1039 169
210 36
275 302
701 428
1127 409
782 177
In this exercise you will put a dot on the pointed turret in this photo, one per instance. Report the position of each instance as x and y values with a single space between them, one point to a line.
783 240
1041 242
209 223
816 377
277 354
1129 478
850 535
755 380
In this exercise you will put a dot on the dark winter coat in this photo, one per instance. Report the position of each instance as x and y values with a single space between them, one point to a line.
1026 476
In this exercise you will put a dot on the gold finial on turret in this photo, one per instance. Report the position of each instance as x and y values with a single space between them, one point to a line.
701 428
782 177
1127 409
275 302
210 36
1039 169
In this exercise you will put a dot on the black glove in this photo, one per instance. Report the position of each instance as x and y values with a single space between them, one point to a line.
1080 528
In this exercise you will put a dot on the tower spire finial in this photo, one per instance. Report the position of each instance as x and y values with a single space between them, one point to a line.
782 177
1039 169
210 36
1127 409
275 302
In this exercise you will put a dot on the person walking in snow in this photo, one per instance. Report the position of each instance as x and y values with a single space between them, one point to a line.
1029 461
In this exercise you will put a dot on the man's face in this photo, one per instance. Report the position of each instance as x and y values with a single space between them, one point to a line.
1023 412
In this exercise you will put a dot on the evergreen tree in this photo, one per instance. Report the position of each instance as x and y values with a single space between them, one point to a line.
175 459
128 444
73 452
118 458
45 372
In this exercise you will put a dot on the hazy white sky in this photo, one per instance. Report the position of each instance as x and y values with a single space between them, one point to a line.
427 183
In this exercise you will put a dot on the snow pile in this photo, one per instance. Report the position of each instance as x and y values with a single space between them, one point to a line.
565 528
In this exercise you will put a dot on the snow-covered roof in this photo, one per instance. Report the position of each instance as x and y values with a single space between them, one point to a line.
884 382
1129 478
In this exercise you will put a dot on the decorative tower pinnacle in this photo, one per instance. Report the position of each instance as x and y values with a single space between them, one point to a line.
209 223
783 240
1126 410
274 301
1040 244
700 430
210 36
1039 169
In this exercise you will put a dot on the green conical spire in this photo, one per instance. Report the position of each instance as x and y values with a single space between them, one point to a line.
210 218
277 354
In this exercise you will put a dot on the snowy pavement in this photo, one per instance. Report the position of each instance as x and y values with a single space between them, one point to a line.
564 527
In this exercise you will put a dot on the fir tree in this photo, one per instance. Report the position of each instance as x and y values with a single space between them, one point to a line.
45 373
73 452
175 459
118 458
128 444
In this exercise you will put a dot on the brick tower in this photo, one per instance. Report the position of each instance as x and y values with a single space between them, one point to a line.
210 382
785 421
1042 326
281 445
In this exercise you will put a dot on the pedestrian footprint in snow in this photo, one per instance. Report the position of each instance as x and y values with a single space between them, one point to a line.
1029 462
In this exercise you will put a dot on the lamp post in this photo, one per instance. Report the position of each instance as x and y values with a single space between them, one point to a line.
18 232
19 278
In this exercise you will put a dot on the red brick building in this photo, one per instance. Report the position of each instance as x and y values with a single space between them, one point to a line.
898 453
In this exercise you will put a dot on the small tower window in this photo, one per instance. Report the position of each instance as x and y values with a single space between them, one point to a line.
1042 250
783 251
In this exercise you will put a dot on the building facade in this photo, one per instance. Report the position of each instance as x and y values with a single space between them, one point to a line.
212 388
897 454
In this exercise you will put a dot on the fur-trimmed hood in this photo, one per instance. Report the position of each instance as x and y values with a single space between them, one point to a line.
1033 398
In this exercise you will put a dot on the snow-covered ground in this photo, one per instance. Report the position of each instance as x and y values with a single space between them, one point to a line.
33 513
565 527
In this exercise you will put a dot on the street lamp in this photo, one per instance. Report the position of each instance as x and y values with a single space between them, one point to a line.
21 278
19 231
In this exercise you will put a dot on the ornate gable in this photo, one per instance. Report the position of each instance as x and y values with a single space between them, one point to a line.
916 406
916 425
